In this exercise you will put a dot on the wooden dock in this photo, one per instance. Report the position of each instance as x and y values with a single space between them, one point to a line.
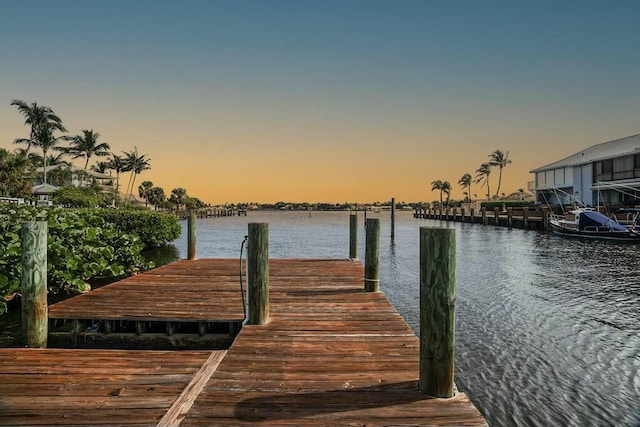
181 301
210 212
523 217
43 387
331 355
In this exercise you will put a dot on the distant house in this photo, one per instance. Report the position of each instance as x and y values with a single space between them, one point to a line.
72 176
604 173
43 192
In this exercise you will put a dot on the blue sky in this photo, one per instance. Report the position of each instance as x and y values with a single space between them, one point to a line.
305 95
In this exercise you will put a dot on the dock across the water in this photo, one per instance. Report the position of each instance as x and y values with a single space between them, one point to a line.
521 217
331 355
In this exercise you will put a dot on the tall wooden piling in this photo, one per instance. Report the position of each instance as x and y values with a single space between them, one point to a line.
192 222
496 216
510 217
437 311
33 283
353 236
393 218
372 256
525 217
258 274
484 215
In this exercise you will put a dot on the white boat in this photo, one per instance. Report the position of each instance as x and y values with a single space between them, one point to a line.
589 223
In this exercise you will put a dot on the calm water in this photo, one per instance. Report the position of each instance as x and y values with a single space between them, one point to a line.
548 329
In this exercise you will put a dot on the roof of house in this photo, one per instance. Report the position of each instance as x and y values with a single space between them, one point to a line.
44 189
604 150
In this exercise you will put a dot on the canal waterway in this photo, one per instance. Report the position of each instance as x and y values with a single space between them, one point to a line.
548 329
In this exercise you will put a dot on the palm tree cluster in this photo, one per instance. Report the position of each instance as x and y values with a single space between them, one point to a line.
444 187
44 125
178 198
498 159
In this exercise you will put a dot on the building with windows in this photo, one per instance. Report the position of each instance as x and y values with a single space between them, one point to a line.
606 173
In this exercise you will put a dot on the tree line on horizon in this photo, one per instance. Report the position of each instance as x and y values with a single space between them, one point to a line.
48 134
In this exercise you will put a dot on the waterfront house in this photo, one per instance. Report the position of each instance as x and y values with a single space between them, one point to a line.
606 173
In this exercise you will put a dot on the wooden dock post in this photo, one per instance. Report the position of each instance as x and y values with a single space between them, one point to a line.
484 215
437 311
353 236
525 217
510 217
545 218
258 273
372 256
496 216
33 282
393 218
191 238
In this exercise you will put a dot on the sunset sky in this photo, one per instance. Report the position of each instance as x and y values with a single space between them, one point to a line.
334 101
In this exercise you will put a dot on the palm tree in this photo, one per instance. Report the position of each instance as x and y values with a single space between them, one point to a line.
482 177
58 175
143 191
178 196
465 182
52 160
117 164
446 189
156 196
45 140
135 163
37 117
437 185
101 167
86 145
501 160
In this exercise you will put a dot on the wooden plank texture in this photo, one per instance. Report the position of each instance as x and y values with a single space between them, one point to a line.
332 355
186 290
41 387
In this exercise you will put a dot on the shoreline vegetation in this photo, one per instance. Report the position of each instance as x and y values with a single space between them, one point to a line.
83 245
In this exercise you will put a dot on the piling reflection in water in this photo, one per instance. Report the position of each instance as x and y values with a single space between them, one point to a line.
548 329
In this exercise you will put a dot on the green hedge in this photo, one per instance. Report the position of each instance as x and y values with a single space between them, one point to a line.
81 246
153 228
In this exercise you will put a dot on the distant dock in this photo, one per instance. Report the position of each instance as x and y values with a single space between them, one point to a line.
212 213
525 218
331 354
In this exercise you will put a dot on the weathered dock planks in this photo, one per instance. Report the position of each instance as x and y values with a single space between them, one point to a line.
199 290
331 355
186 304
45 387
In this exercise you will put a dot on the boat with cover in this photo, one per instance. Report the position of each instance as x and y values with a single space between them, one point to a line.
586 222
